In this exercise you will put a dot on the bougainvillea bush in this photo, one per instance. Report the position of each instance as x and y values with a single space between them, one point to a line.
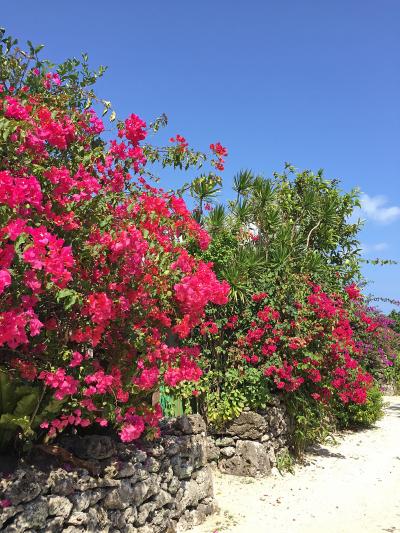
382 349
309 352
296 323
310 345
96 284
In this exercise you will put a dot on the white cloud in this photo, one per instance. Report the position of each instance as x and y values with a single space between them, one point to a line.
378 247
375 208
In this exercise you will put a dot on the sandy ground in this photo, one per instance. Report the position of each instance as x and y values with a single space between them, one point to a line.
350 487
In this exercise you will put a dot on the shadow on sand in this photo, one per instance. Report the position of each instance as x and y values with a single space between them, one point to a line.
317 449
393 408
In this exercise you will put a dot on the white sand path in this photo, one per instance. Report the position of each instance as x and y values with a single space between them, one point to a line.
351 487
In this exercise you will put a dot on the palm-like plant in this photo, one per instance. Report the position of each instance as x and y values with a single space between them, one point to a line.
246 267
216 219
204 189
299 222
241 213
242 183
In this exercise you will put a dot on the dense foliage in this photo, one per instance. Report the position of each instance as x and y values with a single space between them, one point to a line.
296 324
95 277
111 289
381 349
395 317
293 223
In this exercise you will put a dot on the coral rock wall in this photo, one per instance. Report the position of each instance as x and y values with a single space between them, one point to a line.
150 488
251 444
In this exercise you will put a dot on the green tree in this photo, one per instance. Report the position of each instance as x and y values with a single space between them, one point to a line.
395 316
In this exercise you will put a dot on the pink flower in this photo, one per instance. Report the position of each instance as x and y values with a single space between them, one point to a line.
135 130
353 291
35 326
5 503
59 133
15 110
132 429
5 280
31 280
76 359
100 308
148 378
65 385
314 375
209 327
17 191
56 79
173 376
260 296
220 151
15 228
195 291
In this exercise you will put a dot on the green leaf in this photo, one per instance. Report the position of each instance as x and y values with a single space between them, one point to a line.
27 404
68 297
7 393
10 421
52 409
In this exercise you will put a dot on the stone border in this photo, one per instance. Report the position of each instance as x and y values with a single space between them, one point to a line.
159 487
251 444
147 488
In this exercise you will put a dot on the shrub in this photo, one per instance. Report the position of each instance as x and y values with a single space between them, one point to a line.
291 224
221 395
295 314
23 408
392 374
313 422
98 292
361 415
395 317
381 347
309 346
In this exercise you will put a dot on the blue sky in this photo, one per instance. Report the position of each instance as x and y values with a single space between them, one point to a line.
312 82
